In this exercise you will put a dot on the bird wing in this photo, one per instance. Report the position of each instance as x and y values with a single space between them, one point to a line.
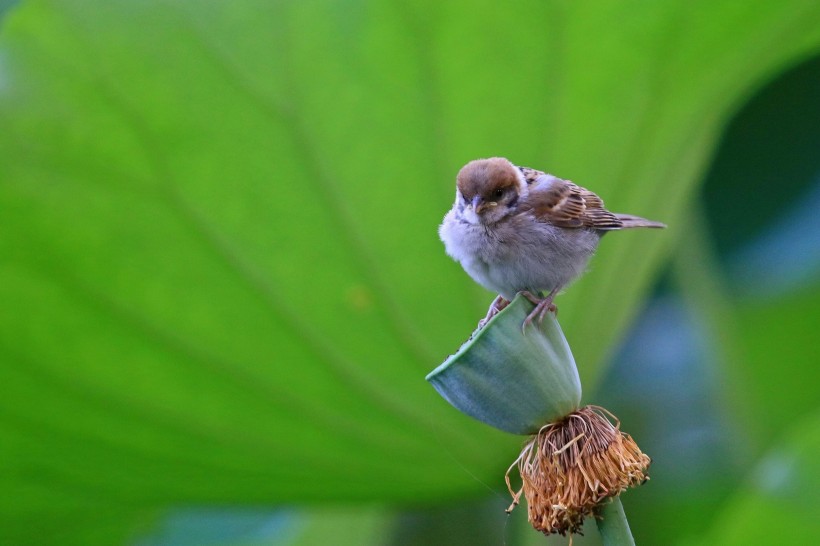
564 204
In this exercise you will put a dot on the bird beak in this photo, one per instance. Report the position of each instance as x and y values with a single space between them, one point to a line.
478 204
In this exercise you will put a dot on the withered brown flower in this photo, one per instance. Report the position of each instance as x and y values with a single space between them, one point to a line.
571 466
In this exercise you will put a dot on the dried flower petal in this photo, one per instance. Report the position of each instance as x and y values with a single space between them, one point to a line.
571 466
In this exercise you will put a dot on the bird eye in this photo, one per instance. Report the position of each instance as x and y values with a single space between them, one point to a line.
498 193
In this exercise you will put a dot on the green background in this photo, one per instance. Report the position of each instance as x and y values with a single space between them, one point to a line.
221 286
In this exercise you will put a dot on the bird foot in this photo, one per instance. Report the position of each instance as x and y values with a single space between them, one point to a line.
498 305
542 306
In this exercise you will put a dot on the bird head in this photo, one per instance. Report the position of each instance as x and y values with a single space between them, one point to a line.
487 190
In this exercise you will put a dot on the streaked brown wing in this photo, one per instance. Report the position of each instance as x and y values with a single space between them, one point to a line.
564 204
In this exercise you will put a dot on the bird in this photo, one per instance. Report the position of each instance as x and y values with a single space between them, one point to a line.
520 230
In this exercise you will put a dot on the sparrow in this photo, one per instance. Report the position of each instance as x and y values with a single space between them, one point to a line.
518 230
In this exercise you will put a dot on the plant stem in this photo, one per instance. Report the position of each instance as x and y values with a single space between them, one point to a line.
612 524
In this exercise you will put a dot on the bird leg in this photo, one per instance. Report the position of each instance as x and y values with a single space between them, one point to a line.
542 305
498 305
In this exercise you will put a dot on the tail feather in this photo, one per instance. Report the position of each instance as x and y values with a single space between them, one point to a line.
630 221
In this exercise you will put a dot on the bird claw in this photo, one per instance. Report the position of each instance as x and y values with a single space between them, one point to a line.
542 306
498 305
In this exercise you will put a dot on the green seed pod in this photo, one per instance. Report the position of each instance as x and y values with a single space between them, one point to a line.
511 379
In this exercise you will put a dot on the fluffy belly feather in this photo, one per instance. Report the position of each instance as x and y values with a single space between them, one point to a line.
514 258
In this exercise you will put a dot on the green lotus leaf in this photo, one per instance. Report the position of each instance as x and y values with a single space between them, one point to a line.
220 280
